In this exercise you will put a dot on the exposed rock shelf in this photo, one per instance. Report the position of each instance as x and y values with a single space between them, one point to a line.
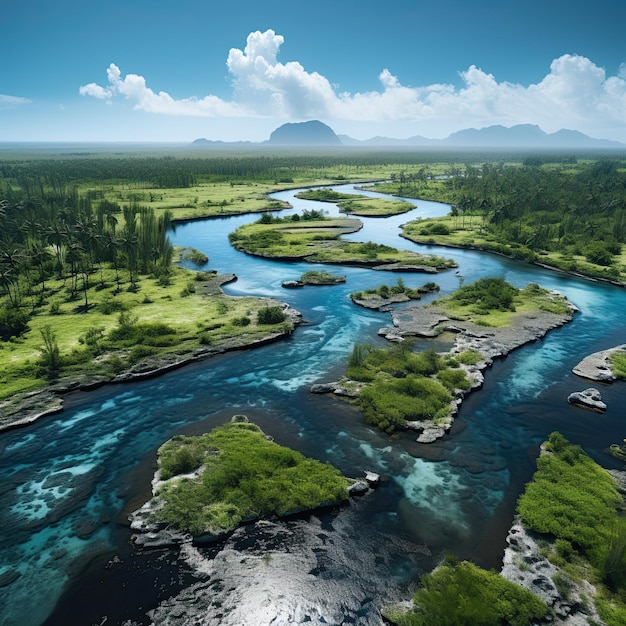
597 366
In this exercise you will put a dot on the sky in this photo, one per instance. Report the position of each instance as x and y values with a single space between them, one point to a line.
177 70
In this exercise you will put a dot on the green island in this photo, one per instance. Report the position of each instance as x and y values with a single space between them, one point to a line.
358 204
384 295
209 484
314 237
316 277
397 388
562 213
568 548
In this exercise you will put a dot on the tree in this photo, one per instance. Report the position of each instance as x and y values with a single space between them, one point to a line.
50 353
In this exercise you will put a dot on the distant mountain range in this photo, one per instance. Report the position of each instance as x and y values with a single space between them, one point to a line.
316 133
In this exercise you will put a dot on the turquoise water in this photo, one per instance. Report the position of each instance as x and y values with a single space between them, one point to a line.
67 482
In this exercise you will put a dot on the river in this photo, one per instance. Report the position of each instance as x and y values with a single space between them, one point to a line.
68 482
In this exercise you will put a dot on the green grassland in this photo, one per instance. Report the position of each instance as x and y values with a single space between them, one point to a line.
356 204
467 232
493 302
618 364
120 328
317 240
239 475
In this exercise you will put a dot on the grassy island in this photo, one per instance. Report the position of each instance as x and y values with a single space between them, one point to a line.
315 277
463 594
358 204
315 237
397 388
384 295
211 483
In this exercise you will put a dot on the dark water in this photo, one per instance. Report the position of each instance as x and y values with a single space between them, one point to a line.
68 482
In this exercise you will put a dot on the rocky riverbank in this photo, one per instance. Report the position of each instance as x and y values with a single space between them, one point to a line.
24 409
490 342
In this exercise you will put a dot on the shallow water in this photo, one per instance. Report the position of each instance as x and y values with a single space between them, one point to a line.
67 482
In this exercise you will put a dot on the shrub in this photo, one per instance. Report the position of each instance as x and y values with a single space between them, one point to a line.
13 322
140 352
271 315
487 294
244 320
453 379
111 305
204 339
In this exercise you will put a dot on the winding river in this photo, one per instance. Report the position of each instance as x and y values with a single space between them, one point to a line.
68 482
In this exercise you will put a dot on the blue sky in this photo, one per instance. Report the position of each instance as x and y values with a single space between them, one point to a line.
144 70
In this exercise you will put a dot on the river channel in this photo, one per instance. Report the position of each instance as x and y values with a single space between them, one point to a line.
68 482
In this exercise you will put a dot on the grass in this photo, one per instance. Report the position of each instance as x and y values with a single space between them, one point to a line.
357 204
493 302
463 594
575 504
208 318
317 277
239 475
318 241
618 364
466 232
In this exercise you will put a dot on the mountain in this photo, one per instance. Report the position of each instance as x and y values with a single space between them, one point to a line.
529 136
519 136
312 133
524 136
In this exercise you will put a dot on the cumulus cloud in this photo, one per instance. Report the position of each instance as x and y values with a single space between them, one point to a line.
575 93
9 102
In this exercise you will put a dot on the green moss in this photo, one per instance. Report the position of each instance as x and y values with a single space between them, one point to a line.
244 476
462 594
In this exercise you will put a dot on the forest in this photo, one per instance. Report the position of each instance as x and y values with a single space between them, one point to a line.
568 214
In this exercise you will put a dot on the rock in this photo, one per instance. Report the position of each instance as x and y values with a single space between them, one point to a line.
324 388
292 284
596 366
588 399
524 564
430 432
372 478
358 488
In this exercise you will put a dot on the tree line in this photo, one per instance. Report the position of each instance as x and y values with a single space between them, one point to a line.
574 209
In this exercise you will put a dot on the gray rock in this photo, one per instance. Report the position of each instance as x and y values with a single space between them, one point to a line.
358 488
596 366
524 564
588 399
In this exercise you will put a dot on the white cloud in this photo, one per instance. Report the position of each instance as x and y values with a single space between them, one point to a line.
575 93
9 102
